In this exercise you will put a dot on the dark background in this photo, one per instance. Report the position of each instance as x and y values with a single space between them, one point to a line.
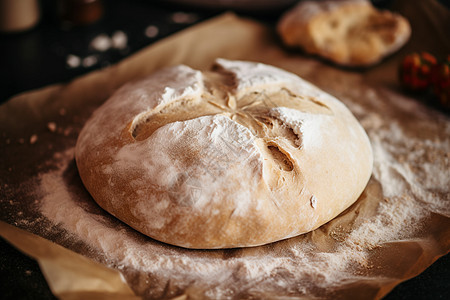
38 57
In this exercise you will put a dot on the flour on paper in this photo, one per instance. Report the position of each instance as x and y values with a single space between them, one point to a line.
296 266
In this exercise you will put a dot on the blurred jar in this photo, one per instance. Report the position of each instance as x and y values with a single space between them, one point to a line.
79 12
18 15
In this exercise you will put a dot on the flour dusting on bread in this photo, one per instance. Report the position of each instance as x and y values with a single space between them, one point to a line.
223 158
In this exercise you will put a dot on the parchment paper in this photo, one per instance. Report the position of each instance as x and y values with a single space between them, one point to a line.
397 228
71 276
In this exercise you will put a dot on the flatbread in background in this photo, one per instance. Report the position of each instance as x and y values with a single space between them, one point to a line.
403 209
347 32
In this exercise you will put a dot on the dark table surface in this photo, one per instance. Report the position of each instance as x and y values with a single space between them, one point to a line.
41 56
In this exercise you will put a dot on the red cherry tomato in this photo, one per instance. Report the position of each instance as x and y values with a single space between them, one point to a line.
415 71
441 82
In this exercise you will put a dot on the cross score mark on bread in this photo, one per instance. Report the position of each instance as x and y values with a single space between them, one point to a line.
236 156
252 110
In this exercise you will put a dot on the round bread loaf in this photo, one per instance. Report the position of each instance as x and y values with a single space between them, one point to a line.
242 155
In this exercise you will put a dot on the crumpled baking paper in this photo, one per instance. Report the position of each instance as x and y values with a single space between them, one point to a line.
398 227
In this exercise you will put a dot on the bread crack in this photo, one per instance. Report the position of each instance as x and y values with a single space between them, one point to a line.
283 161
252 110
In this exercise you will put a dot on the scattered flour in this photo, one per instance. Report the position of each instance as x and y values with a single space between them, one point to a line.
101 42
104 42
310 265
410 182
73 61
89 61
119 39
151 31
184 18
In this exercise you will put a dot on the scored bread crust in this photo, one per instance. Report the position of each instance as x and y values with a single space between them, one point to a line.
346 32
242 155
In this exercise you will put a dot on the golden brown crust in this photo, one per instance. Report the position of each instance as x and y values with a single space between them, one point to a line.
349 32
243 155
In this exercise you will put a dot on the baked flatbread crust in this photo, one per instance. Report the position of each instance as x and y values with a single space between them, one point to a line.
346 32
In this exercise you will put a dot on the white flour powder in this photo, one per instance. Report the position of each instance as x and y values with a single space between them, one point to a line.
394 207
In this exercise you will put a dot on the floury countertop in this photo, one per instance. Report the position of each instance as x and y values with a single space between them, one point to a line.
50 54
